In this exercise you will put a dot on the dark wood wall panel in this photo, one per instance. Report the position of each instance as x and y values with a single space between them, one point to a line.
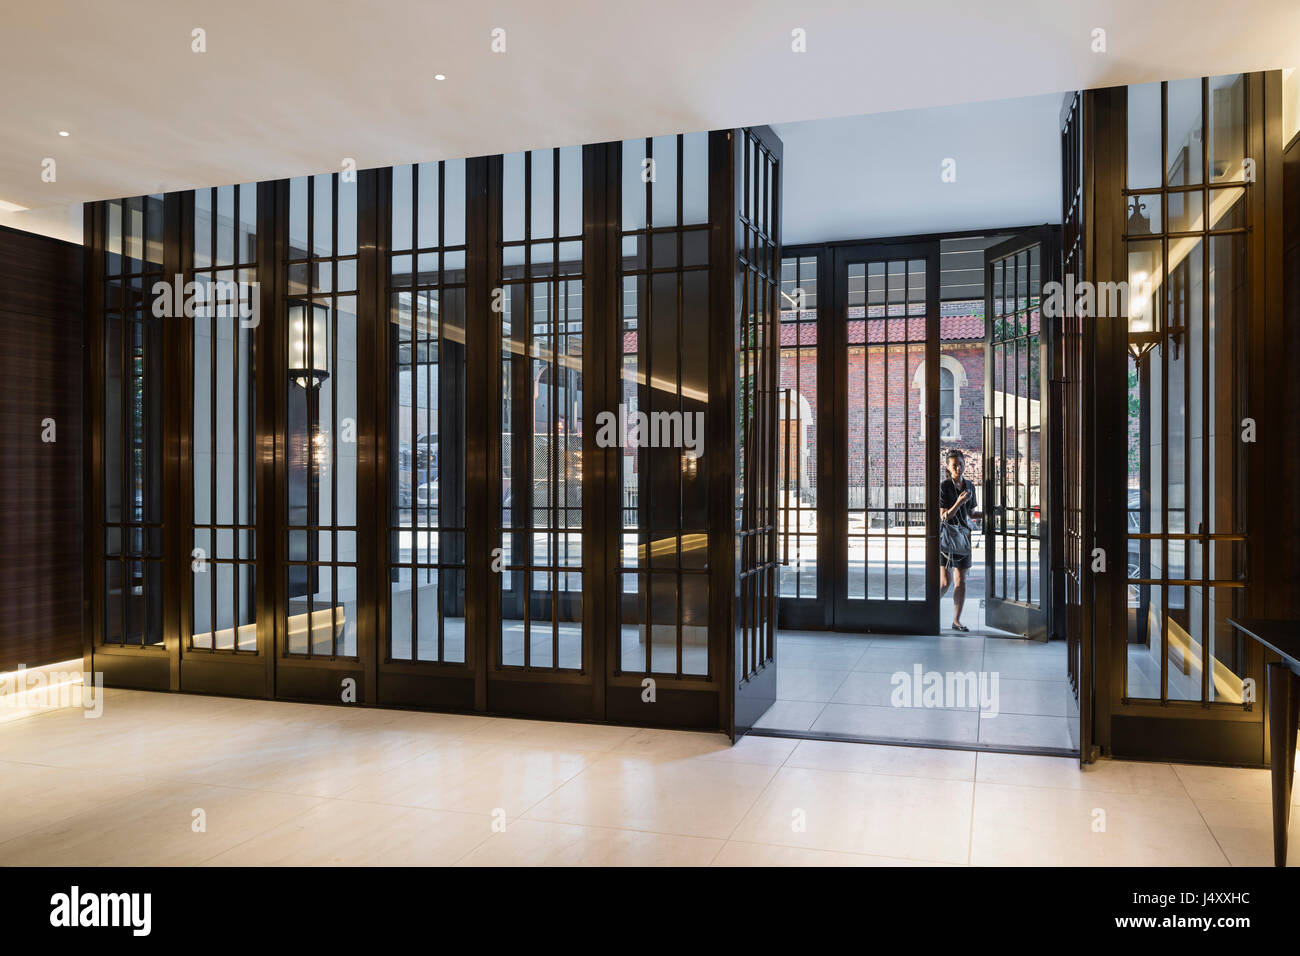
1291 383
40 483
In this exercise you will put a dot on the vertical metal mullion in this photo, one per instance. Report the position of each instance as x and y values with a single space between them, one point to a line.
213 458
553 426
529 450
866 421
442 512
744 397
413 377
907 443
333 353
885 403
1003 464
647 321
421 514
312 410
234 426
1206 525
127 463
1011 386
679 583
1164 400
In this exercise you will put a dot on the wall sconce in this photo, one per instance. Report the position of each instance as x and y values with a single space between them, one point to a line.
1144 329
308 344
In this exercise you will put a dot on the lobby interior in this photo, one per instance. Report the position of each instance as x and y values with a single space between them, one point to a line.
345 558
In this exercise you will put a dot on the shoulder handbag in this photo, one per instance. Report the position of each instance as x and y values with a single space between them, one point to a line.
954 537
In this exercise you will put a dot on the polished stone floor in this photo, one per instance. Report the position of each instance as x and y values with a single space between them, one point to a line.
282 783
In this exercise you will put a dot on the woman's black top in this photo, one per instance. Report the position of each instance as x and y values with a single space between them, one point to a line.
948 495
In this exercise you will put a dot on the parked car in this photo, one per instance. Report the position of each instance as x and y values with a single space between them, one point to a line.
426 495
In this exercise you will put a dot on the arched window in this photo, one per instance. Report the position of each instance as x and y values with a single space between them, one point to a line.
952 379
947 405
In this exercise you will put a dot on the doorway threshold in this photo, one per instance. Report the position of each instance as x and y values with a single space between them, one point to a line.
1026 749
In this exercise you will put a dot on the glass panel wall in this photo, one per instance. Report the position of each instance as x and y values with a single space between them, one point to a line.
1187 257
797 432
224 580
664 281
132 422
319 316
542 410
427 373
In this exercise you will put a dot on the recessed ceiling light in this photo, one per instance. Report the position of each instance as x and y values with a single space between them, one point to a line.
439 76
64 132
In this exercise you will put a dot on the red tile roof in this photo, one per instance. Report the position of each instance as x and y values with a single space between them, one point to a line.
960 326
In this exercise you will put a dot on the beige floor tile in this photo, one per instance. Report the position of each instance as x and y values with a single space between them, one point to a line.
1064 773
1245 831
1039 826
651 742
736 853
769 751
876 814
704 798
346 833
547 733
1227 783
473 776
32 796
155 827
539 843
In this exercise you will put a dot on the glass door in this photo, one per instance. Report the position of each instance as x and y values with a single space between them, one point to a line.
1016 550
758 251
886 326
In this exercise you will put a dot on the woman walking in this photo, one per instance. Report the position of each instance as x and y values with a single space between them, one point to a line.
956 503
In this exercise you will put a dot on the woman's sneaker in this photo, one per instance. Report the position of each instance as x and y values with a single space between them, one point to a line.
956 626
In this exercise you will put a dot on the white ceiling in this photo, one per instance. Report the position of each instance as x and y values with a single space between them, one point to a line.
882 175
295 86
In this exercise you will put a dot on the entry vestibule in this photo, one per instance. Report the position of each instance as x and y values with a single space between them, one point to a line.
391 489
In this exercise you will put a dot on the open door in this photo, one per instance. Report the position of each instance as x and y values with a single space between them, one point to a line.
886 335
757 191
1015 428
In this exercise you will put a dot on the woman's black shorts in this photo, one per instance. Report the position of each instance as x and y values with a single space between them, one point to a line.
961 563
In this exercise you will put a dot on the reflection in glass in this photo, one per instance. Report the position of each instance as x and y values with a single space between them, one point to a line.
1184 459
224 612
319 324
543 410
664 603
427 426
132 423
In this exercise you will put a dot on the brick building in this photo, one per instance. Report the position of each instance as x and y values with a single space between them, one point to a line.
885 377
